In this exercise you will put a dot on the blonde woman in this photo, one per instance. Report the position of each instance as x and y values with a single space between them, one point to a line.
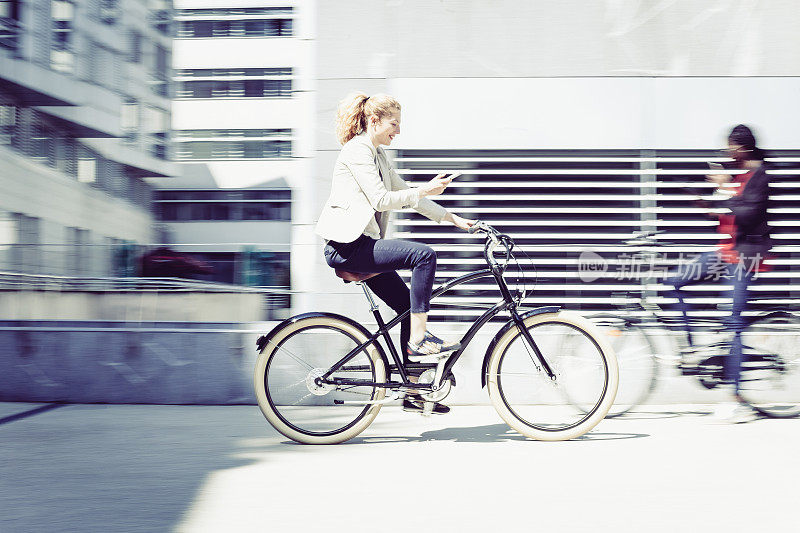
355 218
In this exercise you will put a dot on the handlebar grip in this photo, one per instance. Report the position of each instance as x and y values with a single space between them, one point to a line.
477 226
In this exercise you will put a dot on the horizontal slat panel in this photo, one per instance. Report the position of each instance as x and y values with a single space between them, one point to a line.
558 205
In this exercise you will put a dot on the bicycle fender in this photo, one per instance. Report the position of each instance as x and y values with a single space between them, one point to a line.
263 340
508 325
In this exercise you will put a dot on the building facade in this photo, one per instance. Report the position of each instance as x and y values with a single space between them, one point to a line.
243 131
85 119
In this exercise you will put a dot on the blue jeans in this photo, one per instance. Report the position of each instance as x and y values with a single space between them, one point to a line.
705 267
367 255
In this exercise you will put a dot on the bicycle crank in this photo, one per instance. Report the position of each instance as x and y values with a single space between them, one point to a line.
441 392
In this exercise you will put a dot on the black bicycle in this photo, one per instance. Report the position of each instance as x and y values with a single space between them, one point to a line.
322 378
770 379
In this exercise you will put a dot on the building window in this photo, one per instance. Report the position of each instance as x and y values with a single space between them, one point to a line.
161 15
235 22
233 144
159 72
67 158
129 121
9 24
87 169
62 14
236 205
26 254
109 11
235 12
41 145
234 83
155 126
134 46
8 123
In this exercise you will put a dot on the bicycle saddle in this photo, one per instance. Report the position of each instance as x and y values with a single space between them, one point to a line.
354 276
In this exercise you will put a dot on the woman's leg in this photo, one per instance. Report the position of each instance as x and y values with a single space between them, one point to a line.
390 288
693 272
384 255
740 278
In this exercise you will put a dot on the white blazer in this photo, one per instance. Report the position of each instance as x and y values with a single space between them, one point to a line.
358 192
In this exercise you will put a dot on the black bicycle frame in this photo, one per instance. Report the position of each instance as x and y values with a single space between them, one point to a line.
508 303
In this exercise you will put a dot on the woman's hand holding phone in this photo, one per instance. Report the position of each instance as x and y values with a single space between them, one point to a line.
717 177
438 184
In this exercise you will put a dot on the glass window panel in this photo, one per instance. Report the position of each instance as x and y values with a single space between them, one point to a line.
199 89
254 28
221 28
201 28
220 89
254 88
219 211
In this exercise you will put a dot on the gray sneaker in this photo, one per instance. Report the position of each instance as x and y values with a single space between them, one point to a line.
734 413
430 348
418 406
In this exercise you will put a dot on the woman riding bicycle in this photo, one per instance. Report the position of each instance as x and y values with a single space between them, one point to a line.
355 218
743 248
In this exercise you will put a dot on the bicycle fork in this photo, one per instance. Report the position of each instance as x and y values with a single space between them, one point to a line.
530 345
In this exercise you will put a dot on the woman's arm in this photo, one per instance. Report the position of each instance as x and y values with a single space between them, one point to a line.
431 209
358 159
750 207
459 222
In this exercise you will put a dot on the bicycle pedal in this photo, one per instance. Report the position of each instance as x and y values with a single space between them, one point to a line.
429 359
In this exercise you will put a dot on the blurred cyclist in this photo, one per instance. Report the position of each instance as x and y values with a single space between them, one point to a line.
744 245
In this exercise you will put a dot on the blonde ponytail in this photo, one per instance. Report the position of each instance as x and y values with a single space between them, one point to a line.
352 113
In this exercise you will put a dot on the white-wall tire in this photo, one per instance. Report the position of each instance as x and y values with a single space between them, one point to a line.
274 417
591 419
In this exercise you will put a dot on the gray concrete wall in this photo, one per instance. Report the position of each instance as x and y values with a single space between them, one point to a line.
144 306
117 362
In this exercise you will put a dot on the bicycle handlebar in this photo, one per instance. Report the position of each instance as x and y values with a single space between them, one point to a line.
493 239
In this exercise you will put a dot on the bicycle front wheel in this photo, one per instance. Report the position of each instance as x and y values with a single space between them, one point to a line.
541 408
295 403
770 377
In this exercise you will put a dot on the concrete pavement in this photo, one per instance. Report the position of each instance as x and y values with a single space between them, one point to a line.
128 468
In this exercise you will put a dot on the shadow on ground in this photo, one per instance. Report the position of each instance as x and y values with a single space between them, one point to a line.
487 433
132 468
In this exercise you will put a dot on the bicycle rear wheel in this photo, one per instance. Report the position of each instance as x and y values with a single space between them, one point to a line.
299 407
538 407
638 367
770 378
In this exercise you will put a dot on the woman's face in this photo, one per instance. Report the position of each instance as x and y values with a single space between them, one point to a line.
737 152
386 128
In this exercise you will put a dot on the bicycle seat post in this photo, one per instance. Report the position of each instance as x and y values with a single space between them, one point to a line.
372 305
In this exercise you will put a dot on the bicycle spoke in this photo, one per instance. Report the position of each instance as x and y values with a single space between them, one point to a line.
303 398
304 408
579 368
290 354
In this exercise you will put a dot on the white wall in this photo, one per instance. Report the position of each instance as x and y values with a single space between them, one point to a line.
594 113
556 38
245 52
